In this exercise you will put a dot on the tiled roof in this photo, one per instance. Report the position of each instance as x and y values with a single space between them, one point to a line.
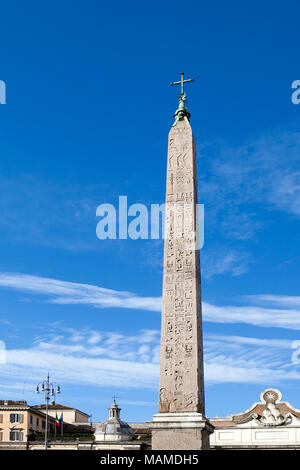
13 403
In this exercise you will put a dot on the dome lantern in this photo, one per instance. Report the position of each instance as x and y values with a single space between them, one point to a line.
113 429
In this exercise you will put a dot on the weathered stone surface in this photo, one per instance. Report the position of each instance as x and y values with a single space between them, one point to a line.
180 423
180 431
181 360
180 439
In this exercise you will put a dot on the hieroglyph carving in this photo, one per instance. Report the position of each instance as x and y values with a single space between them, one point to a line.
181 377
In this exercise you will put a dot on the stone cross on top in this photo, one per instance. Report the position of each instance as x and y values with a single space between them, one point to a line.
181 82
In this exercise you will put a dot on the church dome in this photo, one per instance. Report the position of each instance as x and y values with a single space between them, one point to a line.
113 429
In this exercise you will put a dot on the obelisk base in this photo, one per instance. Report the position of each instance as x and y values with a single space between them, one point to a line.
180 431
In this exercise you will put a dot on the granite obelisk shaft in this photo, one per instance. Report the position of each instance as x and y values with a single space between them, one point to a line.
181 362
180 423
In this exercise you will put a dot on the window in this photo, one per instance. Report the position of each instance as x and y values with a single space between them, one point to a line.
43 424
15 418
31 419
37 422
16 435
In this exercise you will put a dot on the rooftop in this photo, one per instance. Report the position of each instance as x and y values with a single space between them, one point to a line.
13 403
58 406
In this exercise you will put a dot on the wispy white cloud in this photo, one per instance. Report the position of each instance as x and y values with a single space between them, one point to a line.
112 345
232 261
63 292
264 170
115 360
253 315
240 186
245 340
248 360
282 300
30 207
131 363
226 371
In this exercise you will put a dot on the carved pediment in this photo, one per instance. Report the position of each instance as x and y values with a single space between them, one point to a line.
269 412
272 417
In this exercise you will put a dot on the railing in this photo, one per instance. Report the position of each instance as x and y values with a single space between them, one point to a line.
38 437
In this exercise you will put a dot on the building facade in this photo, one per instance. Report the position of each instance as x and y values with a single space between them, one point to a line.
70 414
19 421
269 423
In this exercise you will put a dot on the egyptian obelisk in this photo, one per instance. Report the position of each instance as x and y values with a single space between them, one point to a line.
180 422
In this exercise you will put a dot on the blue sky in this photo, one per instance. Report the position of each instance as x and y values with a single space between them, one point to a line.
88 111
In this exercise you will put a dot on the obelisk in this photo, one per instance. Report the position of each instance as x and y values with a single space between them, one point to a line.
180 422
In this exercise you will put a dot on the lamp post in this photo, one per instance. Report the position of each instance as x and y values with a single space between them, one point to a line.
50 389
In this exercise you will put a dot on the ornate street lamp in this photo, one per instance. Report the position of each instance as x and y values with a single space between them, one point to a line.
50 389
